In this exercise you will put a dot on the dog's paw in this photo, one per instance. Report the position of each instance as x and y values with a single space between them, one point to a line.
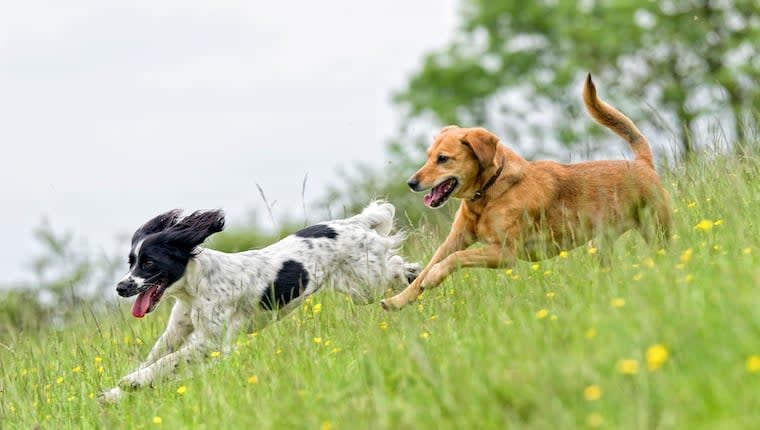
110 396
135 380
412 271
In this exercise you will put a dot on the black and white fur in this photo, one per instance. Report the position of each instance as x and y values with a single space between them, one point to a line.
216 292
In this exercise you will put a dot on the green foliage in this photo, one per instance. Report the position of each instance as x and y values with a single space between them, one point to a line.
517 69
69 279
690 60
561 343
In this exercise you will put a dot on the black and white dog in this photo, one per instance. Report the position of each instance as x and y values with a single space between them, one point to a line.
216 292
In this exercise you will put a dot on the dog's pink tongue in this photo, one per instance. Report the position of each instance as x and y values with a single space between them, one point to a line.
142 304
427 199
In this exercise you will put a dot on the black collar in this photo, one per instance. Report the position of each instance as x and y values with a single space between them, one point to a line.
479 193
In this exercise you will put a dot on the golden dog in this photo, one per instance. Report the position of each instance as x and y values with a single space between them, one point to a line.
532 210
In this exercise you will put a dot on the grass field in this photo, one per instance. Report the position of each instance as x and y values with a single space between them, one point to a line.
663 339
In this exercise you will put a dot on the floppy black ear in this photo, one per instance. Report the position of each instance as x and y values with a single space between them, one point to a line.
157 224
193 229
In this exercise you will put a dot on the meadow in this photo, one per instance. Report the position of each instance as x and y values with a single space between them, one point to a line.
662 339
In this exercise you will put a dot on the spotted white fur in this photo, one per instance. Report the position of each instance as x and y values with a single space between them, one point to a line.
221 292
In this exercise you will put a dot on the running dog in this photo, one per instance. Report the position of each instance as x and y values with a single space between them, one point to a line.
215 292
533 210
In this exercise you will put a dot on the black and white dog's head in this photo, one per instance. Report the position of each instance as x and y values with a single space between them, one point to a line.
160 252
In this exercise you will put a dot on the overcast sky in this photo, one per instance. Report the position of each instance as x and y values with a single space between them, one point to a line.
111 112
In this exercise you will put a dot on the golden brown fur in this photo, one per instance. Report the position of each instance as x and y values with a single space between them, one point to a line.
532 210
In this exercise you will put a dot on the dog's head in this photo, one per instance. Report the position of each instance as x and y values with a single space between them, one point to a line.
160 252
455 163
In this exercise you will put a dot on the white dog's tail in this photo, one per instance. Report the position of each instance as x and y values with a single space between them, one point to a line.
379 216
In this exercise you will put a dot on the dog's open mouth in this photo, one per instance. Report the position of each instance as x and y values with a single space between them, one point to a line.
440 193
148 299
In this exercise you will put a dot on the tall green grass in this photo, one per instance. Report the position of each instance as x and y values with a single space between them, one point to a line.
662 339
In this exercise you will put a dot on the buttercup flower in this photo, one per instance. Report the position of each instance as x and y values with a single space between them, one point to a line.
592 392
686 256
594 420
628 366
617 302
541 314
656 355
753 364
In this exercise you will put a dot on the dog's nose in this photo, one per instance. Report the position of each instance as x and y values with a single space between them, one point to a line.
123 288
413 183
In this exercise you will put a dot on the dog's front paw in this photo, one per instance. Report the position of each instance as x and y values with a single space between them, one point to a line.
110 396
135 380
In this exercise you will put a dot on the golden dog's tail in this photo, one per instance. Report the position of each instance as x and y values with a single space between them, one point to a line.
613 119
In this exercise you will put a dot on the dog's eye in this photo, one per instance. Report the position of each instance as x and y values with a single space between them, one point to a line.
147 264
442 159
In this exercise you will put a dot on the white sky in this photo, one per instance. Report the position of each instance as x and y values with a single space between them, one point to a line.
111 112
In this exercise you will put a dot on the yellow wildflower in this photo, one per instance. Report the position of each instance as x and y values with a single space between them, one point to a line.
590 333
424 335
59 380
535 266
157 420
686 256
317 308
326 425
181 390
656 355
649 263
383 325
563 254
747 250
719 222
704 225
692 205
753 364
628 366
637 277
77 369
592 392
550 294
594 420
618 302
98 360
253 379
215 354
101 369
592 250
541 314
318 339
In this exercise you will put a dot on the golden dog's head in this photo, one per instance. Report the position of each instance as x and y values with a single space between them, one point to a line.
456 162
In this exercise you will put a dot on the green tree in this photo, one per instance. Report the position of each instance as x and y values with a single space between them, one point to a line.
690 60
